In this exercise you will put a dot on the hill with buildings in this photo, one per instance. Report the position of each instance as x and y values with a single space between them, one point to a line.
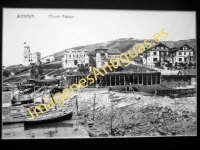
123 44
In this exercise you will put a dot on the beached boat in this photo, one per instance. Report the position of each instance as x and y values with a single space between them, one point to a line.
13 119
24 101
95 130
49 117
45 81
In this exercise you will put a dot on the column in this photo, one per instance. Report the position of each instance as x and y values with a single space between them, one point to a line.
106 80
124 80
151 79
142 79
115 80
160 79
110 80
147 79
138 79
156 79
119 80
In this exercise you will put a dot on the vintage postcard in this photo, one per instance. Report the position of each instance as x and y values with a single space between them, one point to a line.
92 73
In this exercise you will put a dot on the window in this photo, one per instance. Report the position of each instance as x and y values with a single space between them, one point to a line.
189 53
180 53
184 53
180 59
154 59
154 53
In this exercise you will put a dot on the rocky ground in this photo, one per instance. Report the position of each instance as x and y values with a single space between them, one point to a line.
133 115
139 115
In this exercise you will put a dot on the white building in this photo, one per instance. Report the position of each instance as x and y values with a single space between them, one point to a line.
158 53
184 53
47 59
73 58
31 58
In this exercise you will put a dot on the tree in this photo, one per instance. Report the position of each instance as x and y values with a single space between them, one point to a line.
6 73
36 72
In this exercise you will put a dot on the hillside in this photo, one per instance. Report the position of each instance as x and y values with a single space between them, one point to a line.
123 44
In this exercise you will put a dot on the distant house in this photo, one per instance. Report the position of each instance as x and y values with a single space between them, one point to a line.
75 58
47 59
103 55
185 53
158 53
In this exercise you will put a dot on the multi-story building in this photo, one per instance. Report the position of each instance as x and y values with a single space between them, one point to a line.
161 53
184 53
158 53
31 58
103 55
73 58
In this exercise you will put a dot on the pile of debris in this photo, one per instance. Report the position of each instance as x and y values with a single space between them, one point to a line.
137 117
154 120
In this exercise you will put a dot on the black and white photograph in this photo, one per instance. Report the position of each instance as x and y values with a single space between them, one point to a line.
98 73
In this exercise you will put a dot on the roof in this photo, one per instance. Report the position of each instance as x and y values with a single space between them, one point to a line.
188 72
185 45
159 49
114 51
169 72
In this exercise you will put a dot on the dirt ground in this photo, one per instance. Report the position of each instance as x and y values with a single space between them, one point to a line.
46 131
133 115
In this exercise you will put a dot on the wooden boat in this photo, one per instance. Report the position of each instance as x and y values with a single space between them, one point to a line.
13 119
24 101
94 130
48 118
45 81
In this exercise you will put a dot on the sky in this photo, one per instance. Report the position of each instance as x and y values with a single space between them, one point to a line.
49 35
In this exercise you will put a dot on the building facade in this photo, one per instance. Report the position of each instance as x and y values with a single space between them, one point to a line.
47 59
74 58
103 55
185 53
162 53
158 53
31 58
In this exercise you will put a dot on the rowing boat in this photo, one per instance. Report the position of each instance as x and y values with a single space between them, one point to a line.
95 130
49 117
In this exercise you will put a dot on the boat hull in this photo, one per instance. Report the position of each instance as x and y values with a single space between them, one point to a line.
65 116
12 121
